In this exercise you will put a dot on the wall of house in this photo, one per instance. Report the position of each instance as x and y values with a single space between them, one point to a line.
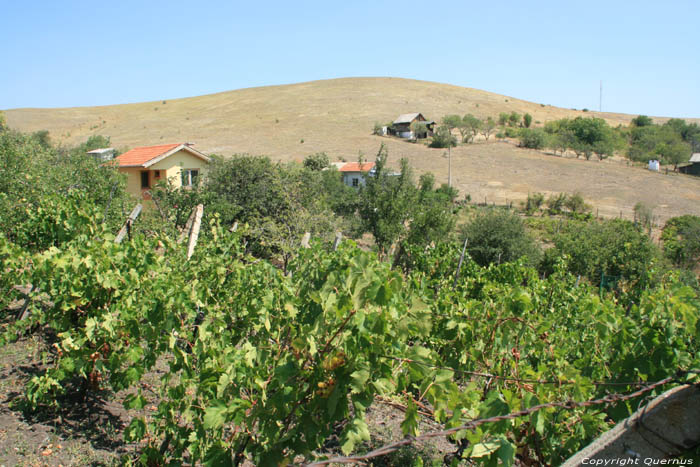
133 180
348 176
171 166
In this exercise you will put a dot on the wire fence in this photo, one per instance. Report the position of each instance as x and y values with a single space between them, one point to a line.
568 405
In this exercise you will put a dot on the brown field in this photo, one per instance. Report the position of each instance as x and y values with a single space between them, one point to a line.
336 116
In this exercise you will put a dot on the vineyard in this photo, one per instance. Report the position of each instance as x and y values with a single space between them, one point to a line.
280 368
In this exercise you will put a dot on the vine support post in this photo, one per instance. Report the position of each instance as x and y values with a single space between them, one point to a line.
305 240
461 260
194 234
338 239
126 228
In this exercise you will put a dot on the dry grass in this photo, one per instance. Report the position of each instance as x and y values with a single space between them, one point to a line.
337 116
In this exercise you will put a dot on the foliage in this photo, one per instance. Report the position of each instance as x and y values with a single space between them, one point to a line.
614 248
527 120
661 142
681 239
534 202
644 214
642 120
443 138
533 138
469 128
487 127
318 161
499 236
514 119
502 118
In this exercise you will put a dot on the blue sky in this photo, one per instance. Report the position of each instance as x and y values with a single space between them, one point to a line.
71 53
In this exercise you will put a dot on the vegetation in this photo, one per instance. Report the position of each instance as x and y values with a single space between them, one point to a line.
270 353
443 138
681 238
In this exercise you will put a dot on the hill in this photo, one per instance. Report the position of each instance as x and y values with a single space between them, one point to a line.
336 116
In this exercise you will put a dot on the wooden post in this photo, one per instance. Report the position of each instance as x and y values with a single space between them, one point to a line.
188 227
194 235
338 239
234 227
24 311
305 240
459 266
126 228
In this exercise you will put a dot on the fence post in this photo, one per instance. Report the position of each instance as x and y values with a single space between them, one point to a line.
126 228
194 235
305 240
459 266
338 239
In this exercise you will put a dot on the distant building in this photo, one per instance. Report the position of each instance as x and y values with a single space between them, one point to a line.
178 164
693 168
403 126
103 154
354 174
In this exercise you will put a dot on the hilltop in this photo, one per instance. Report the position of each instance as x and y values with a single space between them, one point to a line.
289 122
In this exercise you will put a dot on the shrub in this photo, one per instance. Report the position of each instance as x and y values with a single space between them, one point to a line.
499 236
443 138
527 120
681 239
533 138
318 161
575 204
534 202
556 203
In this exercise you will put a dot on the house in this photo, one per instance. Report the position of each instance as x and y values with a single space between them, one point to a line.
103 154
403 126
354 173
694 167
178 164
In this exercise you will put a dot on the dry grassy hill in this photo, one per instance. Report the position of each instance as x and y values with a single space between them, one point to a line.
336 116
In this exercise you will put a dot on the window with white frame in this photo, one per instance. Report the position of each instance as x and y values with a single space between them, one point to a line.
188 177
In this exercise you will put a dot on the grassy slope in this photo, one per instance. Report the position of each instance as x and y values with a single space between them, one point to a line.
337 116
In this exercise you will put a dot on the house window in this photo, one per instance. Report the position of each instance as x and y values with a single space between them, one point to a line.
355 181
157 174
188 177
145 179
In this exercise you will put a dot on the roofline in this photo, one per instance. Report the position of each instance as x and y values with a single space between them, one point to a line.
177 148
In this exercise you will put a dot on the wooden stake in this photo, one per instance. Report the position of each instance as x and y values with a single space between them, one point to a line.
338 239
194 235
305 240
234 227
459 266
188 227
126 228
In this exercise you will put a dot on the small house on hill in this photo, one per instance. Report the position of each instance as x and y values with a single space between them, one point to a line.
103 154
403 126
179 164
354 173
694 167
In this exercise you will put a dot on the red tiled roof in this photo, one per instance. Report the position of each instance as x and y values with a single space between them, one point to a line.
140 156
355 167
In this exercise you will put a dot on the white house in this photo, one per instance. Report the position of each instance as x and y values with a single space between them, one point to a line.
354 174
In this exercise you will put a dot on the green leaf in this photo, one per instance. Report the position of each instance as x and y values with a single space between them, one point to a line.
135 431
355 433
358 379
409 426
214 417
485 448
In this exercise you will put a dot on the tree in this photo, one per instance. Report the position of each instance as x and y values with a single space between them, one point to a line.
681 239
533 138
502 118
641 120
443 138
527 120
514 119
471 126
488 127
452 121
318 161
499 236
419 129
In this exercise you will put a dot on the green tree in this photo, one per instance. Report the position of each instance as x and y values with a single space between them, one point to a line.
419 129
514 119
487 127
502 118
443 138
527 120
641 120
499 236
533 138
318 161
681 240
471 126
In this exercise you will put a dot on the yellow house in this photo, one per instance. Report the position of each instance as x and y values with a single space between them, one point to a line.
179 164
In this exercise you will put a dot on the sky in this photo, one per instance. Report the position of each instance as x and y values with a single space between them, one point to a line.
80 53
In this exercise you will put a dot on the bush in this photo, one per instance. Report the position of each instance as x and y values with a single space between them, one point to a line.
556 203
681 239
499 236
527 120
534 202
576 205
443 138
614 248
318 161
512 132
533 138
